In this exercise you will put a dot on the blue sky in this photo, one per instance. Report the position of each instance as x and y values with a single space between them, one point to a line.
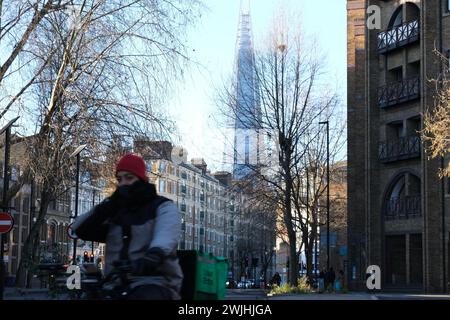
214 41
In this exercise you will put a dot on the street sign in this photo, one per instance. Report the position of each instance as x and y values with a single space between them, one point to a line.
6 222
70 232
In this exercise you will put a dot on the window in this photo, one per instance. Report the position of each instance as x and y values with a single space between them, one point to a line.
162 186
14 173
395 75
397 18
247 150
162 167
448 54
448 182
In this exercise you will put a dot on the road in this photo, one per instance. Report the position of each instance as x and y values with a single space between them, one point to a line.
258 294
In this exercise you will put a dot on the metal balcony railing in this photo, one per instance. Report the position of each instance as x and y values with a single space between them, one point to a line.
403 208
399 92
400 36
401 149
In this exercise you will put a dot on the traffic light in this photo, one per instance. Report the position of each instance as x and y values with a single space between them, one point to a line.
91 258
85 257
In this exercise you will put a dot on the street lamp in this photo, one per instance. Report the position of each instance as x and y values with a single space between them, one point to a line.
6 128
77 154
327 123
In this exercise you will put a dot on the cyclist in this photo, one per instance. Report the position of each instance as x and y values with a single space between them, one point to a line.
141 227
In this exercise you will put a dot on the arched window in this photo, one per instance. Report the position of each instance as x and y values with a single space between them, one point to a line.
404 13
403 200
397 18
52 233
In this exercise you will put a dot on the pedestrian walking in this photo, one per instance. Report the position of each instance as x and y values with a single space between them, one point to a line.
276 279
331 279
322 281
340 281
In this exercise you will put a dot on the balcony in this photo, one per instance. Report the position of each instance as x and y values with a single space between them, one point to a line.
398 37
403 208
399 92
401 149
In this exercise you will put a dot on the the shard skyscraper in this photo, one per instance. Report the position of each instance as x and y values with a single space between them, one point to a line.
247 112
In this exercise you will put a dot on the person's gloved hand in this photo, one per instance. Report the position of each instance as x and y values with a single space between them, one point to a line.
147 264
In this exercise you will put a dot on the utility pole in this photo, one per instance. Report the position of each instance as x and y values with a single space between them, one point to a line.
77 186
7 130
327 123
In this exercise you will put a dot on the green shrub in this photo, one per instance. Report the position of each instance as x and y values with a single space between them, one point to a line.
286 288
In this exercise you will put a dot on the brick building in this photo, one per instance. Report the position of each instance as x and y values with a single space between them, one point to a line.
398 216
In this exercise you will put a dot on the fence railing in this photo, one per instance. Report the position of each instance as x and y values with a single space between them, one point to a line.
403 208
401 149
399 36
398 92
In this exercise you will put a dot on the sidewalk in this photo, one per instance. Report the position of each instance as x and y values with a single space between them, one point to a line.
29 294
325 296
359 296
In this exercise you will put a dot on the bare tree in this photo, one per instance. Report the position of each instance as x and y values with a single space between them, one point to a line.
292 98
436 120
18 23
308 196
104 82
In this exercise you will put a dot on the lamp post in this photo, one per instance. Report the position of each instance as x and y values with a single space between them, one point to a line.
77 185
6 128
93 205
327 123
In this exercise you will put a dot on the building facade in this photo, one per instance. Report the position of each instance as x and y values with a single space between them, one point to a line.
215 217
398 216
54 243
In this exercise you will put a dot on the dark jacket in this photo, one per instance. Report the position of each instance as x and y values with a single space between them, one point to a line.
150 221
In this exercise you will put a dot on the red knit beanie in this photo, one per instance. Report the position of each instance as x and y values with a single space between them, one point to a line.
134 164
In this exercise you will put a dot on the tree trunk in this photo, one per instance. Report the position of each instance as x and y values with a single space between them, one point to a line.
293 258
29 258
308 256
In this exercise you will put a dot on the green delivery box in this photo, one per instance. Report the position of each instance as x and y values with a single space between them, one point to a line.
204 275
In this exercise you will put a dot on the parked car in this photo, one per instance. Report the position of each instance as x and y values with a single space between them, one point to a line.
246 284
